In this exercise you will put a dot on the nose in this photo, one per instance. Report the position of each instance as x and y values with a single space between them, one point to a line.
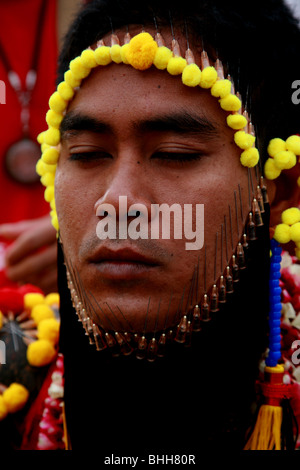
127 194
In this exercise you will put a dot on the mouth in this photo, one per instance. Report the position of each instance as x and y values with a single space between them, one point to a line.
123 264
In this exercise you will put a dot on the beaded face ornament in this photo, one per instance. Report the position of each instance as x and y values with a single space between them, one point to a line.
142 52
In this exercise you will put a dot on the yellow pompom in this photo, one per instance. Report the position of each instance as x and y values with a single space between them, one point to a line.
48 329
115 53
191 75
297 253
141 51
53 205
50 156
57 103
291 216
221 88
293 144
65 91
282 233
123 53
40 353
48 179
78 69
49 193
71 79
41 312
162 57
285 160
15 397
230 103
271 170
53 119
249 157
276 145
40 137
209 76
102 55
292 162
176 65
31 299
295 232
54 222
49 168
3 409
1 320
236 121
244 140
45 146
88 59
52 299
52 136
40 167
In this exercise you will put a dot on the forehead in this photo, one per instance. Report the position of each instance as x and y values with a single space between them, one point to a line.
119 91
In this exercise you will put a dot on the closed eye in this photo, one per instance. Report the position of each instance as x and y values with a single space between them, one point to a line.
177 157
89 156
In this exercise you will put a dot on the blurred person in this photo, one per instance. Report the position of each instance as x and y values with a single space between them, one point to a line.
30 31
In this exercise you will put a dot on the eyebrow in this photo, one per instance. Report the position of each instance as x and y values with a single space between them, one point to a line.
73 123
178 123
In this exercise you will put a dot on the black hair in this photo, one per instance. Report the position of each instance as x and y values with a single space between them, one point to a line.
258 42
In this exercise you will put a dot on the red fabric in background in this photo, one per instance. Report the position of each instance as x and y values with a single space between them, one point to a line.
18 25
34 415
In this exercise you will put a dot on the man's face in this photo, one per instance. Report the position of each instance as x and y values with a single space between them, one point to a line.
146 136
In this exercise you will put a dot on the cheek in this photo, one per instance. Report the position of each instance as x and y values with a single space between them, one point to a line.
74 206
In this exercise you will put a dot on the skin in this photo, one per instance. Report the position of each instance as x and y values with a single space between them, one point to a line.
148 165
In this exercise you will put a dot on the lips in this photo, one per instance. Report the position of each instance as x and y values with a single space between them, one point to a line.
123 263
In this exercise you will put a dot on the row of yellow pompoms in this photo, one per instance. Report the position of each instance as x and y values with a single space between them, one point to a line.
43 351
283 156
40 352
289 229
141 52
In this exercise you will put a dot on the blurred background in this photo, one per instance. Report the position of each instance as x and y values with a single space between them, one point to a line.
31 32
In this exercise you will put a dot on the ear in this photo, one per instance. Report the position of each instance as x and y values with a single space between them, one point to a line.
284 193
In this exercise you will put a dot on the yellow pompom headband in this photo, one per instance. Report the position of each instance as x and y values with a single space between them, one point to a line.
141 52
